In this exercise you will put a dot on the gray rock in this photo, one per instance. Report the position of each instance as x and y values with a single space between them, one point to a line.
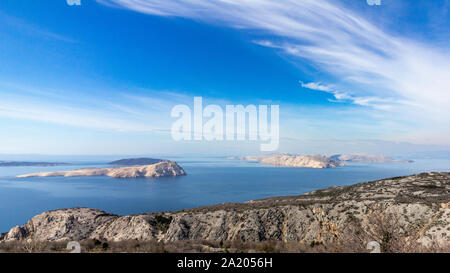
161 169
419 202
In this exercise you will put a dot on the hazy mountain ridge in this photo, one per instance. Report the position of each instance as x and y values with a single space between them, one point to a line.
29 164
136 161
367 158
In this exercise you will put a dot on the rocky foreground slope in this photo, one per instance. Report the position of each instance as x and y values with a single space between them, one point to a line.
404 211
162 169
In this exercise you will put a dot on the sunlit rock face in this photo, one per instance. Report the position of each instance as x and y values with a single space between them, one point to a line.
162 169
417 206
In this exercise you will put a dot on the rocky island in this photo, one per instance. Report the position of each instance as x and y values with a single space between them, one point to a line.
297 161
161 169
317 161
403 214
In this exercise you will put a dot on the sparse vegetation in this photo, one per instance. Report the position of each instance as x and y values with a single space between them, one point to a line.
403 215
354 245
161 222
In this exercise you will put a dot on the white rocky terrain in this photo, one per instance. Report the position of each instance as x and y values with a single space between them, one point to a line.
297 161
403 214
161 169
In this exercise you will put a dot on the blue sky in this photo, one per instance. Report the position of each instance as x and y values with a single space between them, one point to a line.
101 78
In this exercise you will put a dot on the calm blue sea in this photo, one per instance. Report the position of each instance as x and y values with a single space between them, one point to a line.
209 181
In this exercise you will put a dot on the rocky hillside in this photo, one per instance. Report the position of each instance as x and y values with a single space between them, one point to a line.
404 211
162 169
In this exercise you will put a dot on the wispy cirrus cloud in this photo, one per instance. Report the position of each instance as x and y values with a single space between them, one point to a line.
119 112
31 29
383 69
339 96
317 86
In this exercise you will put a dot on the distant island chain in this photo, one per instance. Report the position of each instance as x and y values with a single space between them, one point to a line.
155 168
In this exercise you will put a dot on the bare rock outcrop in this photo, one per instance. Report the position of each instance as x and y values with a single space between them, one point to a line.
416 206
161 169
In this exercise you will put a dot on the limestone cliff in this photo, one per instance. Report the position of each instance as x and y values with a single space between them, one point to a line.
417 206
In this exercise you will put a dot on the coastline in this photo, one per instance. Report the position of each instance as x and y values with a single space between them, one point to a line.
315 217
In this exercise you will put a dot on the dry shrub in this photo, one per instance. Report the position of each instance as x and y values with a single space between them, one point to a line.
381 226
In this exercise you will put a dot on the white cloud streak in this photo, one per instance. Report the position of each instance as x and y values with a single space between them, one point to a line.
339 96
124 113
31 29
317 86
67 116
379 65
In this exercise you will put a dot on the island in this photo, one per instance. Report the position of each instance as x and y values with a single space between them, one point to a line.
135 161
367 158
161 169
297 161
317 161
29 164
402 214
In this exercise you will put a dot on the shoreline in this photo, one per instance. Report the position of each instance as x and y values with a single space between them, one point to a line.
320 216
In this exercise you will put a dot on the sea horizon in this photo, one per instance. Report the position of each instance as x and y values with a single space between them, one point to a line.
209 181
